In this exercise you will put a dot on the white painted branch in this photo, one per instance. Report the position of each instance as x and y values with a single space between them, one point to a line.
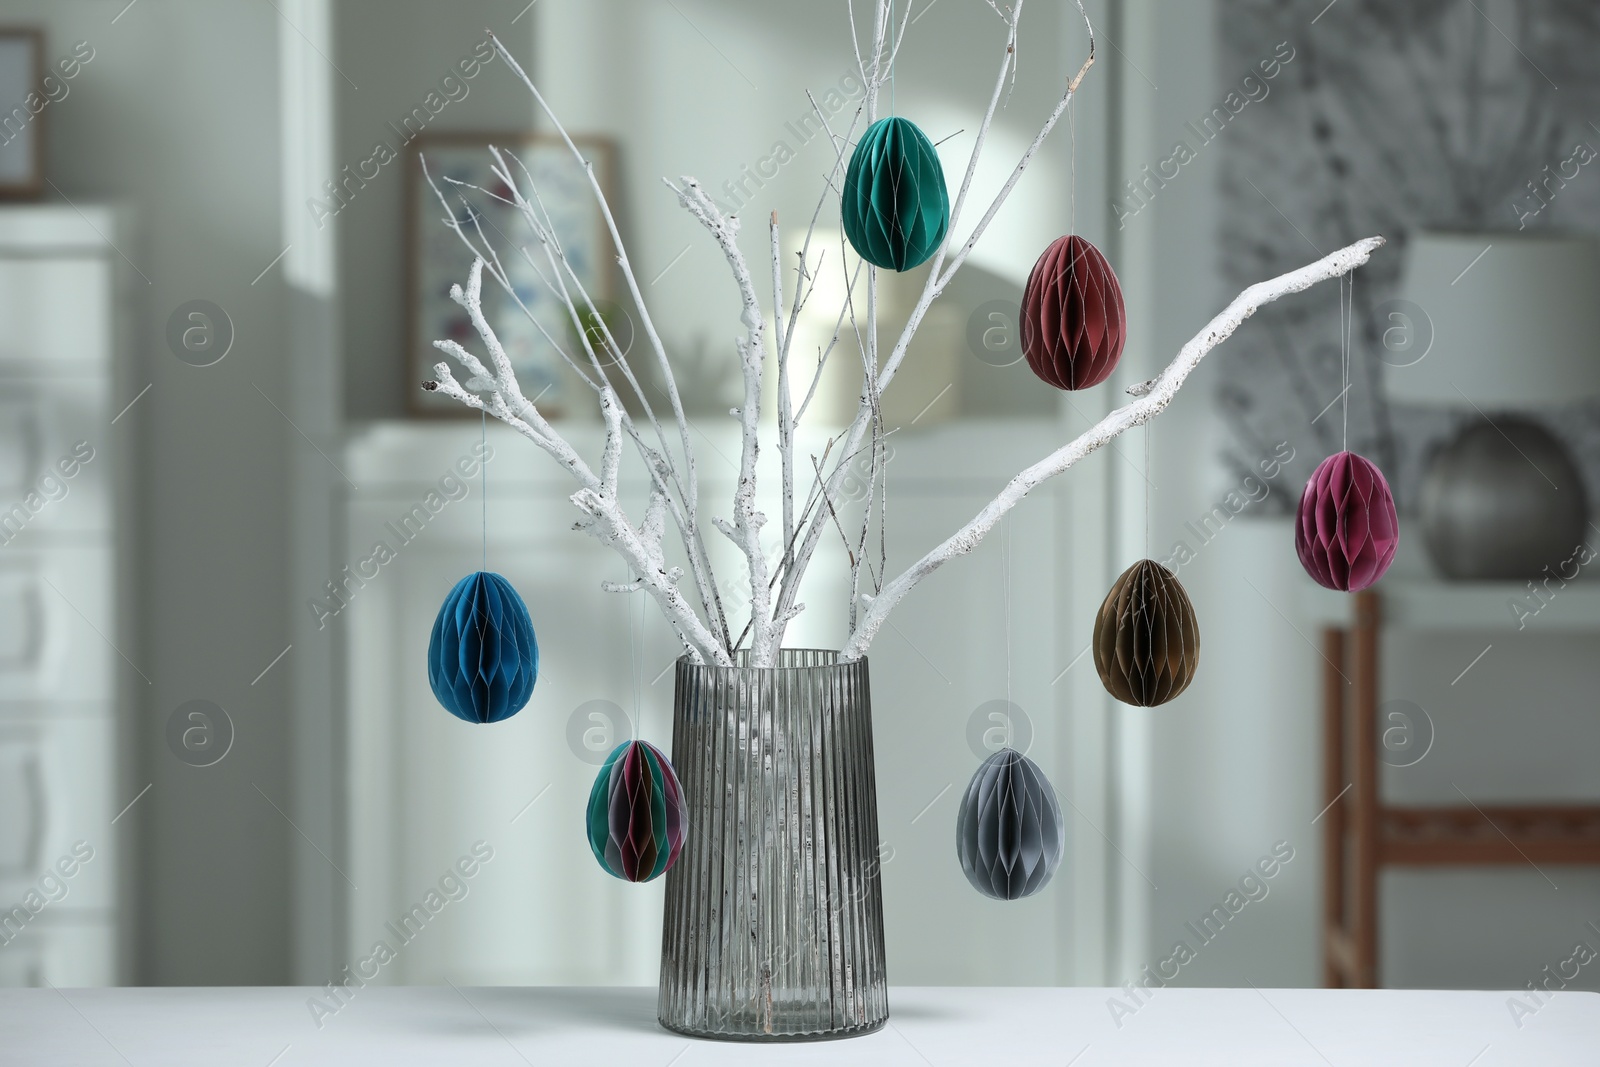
661 466
747 520
446 383
597 497
806 277
1156 396
833 342
785 402
493 388
867 414
692 492
938 277
659 463
622 254
605 522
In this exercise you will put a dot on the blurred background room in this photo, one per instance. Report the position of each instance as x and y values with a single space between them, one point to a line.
218 265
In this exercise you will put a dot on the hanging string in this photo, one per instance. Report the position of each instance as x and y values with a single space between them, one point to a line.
483 474
1344 349
890 35
1349 348
1147 490
633 664
1005 589
1072 186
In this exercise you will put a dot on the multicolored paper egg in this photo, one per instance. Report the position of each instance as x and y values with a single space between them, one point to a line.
1009 832
636 819
1146 637
895 207
483 658
1073 321
1346 531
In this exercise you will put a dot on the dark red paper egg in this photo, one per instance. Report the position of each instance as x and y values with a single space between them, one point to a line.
1073 322
1347 530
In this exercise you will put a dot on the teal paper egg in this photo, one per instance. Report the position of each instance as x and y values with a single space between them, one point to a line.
895 207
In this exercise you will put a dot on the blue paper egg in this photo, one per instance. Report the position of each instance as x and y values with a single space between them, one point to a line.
483 658
1009 831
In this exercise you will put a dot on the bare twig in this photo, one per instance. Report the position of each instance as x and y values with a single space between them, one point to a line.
491 385
938 276
1154 396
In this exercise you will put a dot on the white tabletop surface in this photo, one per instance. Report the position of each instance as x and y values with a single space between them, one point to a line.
398 1027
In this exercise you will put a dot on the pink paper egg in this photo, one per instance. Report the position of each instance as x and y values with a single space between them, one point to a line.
1346 531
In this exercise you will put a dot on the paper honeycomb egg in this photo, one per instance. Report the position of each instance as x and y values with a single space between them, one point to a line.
1009 830
483 658
1073 322
1346 531
636 817
895 207
1146 637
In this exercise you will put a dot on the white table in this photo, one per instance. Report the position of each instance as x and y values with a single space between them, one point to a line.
396 1027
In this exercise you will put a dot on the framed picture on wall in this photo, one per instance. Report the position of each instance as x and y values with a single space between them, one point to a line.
437 259
21 114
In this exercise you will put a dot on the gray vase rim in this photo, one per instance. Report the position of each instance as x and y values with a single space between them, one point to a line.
826 657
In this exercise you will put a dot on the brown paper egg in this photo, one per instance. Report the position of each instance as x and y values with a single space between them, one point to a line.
1073 323
1146 639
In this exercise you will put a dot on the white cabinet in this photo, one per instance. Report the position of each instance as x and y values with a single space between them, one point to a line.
58 679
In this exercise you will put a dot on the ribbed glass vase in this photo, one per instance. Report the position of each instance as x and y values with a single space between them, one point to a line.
774 914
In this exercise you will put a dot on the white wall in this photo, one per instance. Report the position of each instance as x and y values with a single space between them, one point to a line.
1213 780
395 52
176 117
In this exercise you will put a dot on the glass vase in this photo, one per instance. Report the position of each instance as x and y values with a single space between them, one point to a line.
774 914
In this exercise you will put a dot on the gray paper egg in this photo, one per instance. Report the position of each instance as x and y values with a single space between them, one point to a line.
1009 831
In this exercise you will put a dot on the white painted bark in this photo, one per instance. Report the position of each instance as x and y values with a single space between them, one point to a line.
745 529
596 497
774 584
1154 396
938 277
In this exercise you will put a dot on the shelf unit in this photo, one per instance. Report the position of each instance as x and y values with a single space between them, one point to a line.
60 607
1361 834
